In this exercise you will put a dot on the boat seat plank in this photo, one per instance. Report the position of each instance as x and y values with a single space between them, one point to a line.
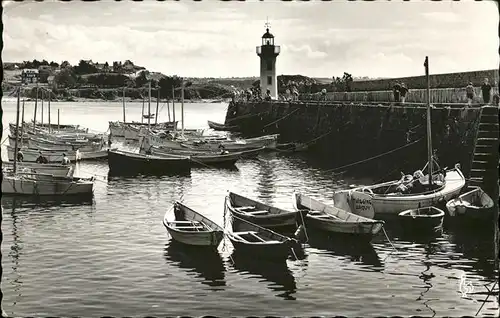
184 222
243 208
194 227
257 212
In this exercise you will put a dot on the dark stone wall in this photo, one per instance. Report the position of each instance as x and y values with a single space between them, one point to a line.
347 133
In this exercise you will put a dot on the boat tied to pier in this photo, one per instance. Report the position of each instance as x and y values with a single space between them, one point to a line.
474 203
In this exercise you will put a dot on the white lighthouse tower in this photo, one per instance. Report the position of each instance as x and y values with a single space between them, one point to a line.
268 53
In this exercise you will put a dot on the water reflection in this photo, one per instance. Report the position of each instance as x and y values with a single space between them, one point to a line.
15 252
45 201
426 277
266 181
206 264
352 248
276 273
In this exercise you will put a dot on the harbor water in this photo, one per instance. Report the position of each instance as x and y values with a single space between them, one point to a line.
112 255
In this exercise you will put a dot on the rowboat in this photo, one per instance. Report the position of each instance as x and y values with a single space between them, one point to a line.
204 158
191 228
45 168
332 219
221 127
148 116
390 198
259 213
30 155
125 162
422 219
261 242
37 184
474 203
268 141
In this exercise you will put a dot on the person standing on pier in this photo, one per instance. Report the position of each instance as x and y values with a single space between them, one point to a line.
41 159
65 160
396 90
469 90
486 90
20 156
403 91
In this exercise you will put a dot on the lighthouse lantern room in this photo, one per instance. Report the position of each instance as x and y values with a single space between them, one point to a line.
268 53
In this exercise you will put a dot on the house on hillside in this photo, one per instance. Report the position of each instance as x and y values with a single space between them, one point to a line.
103 67
29 76
51 81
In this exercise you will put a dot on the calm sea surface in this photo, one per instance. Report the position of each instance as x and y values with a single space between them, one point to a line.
112 256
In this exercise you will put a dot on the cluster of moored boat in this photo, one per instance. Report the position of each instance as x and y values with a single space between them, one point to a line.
258 229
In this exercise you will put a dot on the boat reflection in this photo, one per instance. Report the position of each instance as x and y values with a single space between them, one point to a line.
426 277
206 264
276 273
9 202
356 250
124 174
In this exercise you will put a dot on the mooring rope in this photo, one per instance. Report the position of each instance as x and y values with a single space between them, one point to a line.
279 119
374 157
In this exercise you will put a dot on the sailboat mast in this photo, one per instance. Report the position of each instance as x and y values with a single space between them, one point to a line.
50 126
149 106
41 117
22 124
123 100
173 108
182 108
157 104
17 129
142 114
58 119
429 136
36 106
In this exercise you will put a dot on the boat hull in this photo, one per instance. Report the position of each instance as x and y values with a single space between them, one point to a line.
277 251
393 205
52 169
130 163
410 220
342 222
14 185
30 155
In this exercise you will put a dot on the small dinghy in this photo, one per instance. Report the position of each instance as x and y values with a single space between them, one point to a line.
474 203
191 228
335 220
259 213
429 218
260 242
221 127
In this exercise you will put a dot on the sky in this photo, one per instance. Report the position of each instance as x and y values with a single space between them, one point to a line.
218 39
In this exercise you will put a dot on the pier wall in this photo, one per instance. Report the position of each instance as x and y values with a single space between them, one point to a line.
455 80
441 95
347 133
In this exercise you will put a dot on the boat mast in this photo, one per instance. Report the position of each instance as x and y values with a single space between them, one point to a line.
22 124
50 126
123 100
173 109
429 136
17 129
182 107
149 106
142 114
42 108
36 106
157 104
58 119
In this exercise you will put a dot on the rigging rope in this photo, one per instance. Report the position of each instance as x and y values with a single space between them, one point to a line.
374 157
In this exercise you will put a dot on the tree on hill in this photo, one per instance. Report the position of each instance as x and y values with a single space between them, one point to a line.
65 78
342 84
166 83
84 67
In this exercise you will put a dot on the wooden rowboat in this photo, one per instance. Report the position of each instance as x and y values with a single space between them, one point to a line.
45 168
474 203
221 127
335 220
259 213
422 219
191 228
261 242
126 162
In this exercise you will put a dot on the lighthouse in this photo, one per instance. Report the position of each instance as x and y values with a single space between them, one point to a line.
268 53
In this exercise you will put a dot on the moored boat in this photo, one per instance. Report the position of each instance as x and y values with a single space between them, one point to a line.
45 168
422 219
192 228
259 213
390 198
37 184
221 127
335 220
30 155
125 162
261 242
474 203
